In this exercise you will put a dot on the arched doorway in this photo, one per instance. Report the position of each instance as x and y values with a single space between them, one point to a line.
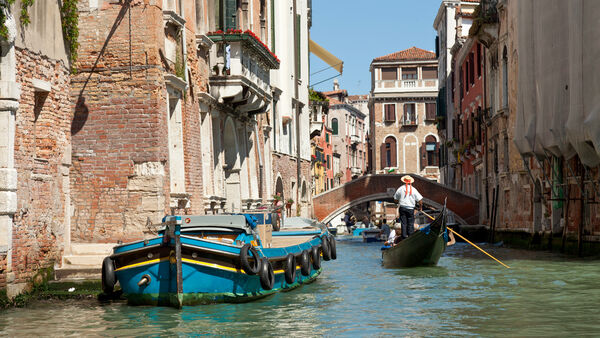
232 168
304 199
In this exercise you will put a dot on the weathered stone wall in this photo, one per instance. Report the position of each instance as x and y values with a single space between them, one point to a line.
42 159
120 170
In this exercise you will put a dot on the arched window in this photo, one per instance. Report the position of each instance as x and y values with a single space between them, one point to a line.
504 78
334 126
430 152
388 153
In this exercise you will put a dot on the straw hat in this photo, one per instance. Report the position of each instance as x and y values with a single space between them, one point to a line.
407 179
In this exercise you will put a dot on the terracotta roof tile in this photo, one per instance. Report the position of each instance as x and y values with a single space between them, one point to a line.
333 101
357 97
410 54
335 92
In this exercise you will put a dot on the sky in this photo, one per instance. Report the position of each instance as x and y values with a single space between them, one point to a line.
357 31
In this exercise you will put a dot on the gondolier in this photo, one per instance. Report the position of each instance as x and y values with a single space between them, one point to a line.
407 197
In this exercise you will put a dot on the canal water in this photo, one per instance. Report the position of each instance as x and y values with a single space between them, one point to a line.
466 294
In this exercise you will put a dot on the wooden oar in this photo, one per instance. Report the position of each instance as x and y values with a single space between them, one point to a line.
466 240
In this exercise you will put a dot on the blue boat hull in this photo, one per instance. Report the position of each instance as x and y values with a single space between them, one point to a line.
209 272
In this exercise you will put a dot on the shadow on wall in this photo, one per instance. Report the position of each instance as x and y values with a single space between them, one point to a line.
81 109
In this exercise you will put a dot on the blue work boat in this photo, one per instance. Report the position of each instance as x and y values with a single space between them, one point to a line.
216 258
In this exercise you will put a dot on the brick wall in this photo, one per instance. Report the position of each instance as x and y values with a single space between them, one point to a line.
120 172
42 158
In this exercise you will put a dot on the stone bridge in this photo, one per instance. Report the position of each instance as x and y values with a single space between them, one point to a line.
382 188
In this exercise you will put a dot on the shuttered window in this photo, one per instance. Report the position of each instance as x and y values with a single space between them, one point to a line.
409 73
230 11
390 112
430 111
389 73
430 73
410 114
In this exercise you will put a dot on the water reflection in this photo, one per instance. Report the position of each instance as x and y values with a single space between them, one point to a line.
467 294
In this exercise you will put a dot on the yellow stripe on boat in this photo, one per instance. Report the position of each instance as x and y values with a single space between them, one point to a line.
187 260
152 261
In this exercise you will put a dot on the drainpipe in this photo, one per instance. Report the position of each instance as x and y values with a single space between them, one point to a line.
485 164
184 45
297 72
260 162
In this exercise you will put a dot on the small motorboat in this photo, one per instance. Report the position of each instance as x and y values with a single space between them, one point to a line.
372 235
216 258
423 248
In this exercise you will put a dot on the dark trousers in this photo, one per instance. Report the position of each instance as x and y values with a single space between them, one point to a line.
407 219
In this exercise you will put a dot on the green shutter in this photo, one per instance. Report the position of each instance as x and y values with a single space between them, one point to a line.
273 26
230 14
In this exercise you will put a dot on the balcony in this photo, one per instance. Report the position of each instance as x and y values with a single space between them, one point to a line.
417 85
318 109
355 171
354 139
241 65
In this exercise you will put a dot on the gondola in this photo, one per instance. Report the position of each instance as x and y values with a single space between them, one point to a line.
216 258
423 248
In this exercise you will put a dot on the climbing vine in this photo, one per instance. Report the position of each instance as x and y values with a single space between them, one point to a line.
70 20
24 18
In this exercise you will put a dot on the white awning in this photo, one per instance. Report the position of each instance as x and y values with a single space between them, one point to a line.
326 56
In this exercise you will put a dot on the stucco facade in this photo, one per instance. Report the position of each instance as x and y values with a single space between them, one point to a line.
403 113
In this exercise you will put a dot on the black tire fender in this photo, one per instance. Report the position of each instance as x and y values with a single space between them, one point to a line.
267 276
332 247
305 263
250 269
326 248
315 254
290 268
109 278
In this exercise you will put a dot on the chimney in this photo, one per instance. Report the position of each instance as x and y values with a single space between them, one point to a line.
336 85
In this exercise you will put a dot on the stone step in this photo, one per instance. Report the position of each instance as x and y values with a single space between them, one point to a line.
73 272
83 260
104 249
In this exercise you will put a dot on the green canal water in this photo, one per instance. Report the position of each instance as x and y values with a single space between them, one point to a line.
467 294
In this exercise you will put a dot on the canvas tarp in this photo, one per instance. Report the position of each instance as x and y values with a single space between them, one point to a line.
558 106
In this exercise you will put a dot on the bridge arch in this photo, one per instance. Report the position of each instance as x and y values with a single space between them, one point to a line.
381 187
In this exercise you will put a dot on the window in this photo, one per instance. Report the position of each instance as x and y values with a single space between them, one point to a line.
326 138
388 152
328 162
430 111
334 126
409 73
390 112
471 70
410 114
478 60
429 152
460 82
504 78
389 73
430 73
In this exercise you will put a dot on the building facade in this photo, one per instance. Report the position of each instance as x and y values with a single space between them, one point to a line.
404 87
35 146
177 106
349 133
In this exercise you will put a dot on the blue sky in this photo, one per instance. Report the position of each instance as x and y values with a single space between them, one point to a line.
357 31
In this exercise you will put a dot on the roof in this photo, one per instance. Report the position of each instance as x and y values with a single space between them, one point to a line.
334 101
336 92
357 97
410 54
